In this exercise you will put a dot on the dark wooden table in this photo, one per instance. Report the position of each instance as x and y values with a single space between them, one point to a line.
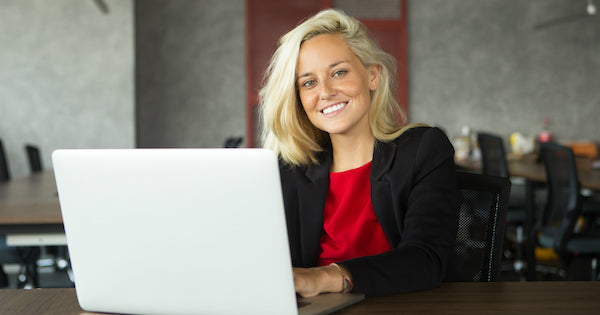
30 200
551 297
558 297
534 171
30 205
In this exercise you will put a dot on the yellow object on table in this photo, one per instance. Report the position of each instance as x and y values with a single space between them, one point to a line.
545 254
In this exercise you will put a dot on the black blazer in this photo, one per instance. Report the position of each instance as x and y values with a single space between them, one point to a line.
415 199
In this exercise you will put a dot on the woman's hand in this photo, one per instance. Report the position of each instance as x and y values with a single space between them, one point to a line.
312 281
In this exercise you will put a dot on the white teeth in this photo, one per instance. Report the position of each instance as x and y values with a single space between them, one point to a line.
333 108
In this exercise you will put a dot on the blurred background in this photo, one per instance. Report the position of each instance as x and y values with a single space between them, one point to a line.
173 73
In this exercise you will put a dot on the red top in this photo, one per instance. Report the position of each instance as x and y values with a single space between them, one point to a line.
350 228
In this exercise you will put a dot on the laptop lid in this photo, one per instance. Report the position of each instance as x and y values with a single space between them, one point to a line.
179 231
175 230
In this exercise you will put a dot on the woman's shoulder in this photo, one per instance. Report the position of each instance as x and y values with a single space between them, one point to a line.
289 170
422 143
419 133
416 151
293 174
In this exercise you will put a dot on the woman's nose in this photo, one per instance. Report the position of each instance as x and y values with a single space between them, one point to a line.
327 89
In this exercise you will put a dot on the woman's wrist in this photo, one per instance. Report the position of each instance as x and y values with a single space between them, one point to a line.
330 279
345 283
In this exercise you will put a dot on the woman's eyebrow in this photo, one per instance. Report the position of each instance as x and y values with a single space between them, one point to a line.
330 66
304 75
337 63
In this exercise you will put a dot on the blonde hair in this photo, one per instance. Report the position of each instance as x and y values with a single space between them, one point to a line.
286 128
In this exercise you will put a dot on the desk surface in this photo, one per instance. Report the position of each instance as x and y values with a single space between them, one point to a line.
558 297
29 205
549 297
30 200
535 171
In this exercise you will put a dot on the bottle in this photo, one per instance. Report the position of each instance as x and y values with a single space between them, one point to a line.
475 149
462 144
545 135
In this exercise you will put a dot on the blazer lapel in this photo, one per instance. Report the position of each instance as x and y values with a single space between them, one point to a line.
313 193
312 197
381 198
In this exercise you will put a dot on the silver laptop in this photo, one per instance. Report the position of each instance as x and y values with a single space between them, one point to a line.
179 231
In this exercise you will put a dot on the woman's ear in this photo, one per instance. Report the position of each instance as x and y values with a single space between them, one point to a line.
374 72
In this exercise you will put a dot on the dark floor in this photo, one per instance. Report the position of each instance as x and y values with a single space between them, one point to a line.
52 277
579 268
49 277
552 271
49 273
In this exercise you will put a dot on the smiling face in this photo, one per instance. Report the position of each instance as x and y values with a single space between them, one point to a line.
334 86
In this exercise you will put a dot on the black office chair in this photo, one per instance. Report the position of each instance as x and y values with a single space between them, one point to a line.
60 253
493 156
5 254
25 257
493 162
556 227
480 236
4 172
34 158
233 142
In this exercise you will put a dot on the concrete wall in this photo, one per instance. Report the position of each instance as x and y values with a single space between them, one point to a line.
66 78
471 62
190 61
67 71
482 64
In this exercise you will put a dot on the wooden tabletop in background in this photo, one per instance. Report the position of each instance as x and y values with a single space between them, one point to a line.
534 171
30 200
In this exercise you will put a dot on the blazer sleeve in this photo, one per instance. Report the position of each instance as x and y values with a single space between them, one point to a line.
425 205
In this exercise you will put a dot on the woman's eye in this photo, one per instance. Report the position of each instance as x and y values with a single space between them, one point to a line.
339 73
309 83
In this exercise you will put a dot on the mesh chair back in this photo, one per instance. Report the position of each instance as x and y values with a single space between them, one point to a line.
480 235
4 173
563 198
33 156
493 157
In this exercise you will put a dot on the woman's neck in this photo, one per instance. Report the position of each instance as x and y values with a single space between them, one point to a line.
351 152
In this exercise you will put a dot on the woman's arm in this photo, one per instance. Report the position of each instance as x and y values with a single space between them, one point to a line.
425 205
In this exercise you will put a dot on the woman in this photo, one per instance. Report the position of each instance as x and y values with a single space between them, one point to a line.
371 204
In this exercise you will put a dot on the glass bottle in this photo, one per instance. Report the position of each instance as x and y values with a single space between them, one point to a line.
545 135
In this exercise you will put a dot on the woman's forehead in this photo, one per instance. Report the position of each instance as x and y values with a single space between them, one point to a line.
323 51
